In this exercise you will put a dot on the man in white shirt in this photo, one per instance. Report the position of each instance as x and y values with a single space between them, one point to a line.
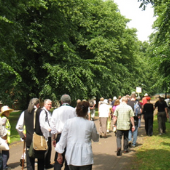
45 119
59 117
103 115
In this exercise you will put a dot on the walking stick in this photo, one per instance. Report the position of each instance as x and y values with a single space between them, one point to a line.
23 156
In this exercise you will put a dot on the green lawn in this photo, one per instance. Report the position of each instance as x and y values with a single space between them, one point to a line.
13 119
155 151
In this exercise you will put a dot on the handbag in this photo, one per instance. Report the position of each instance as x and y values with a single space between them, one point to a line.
39 142
3 145
36 154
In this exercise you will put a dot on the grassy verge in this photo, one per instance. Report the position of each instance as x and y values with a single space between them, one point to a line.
155 151
13 119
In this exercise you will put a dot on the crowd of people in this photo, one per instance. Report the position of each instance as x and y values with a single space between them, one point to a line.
70 130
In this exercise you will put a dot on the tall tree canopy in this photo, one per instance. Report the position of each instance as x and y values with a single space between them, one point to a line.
160 42
80 47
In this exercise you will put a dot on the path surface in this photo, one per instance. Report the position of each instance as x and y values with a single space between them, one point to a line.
104 153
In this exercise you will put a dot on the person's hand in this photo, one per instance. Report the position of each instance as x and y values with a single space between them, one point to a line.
49 129
60 158
133 128
24 137
54 143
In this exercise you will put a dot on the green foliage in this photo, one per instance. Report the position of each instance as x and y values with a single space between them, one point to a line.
82 48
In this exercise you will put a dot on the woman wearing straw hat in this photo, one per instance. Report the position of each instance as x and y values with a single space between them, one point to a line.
5 111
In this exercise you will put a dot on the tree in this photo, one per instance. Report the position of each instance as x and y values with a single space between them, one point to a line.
82 48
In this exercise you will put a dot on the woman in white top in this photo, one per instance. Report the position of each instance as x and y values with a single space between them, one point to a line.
76 136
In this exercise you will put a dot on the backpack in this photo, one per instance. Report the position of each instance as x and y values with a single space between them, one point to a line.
2 128
136 109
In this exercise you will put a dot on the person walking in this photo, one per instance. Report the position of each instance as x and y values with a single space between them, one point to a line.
162 114
58 120
103 115
144 100
136 107
6 138
123 116
45 119
116 103
148 116
92 103
27 118
79 154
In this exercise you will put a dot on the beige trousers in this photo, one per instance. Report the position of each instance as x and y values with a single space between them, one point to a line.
103 125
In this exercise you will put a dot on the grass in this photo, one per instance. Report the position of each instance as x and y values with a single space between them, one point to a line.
13 119
155 151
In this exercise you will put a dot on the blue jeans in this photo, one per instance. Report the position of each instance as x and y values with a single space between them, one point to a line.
135 134
139 122
5 157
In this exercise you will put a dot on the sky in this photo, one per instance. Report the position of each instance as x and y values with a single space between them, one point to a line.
141 20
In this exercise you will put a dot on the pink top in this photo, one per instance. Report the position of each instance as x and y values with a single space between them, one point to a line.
114 107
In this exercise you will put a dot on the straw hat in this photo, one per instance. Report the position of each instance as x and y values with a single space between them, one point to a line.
5 109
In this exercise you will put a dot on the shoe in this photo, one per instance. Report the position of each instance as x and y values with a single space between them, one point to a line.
119 152
8 168
133 146
126 151
49 166
105 136
101 136
130 144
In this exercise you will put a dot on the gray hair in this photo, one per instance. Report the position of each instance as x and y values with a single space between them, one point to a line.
32 103
65 98
124 99
47 100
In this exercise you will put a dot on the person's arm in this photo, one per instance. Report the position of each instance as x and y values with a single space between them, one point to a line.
132 119
60 146
42 119
53 127
115 120
166 111
133 125
60 158
89 116
20 126
108 112
95 135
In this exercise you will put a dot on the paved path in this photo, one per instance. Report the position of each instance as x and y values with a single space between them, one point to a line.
104 153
